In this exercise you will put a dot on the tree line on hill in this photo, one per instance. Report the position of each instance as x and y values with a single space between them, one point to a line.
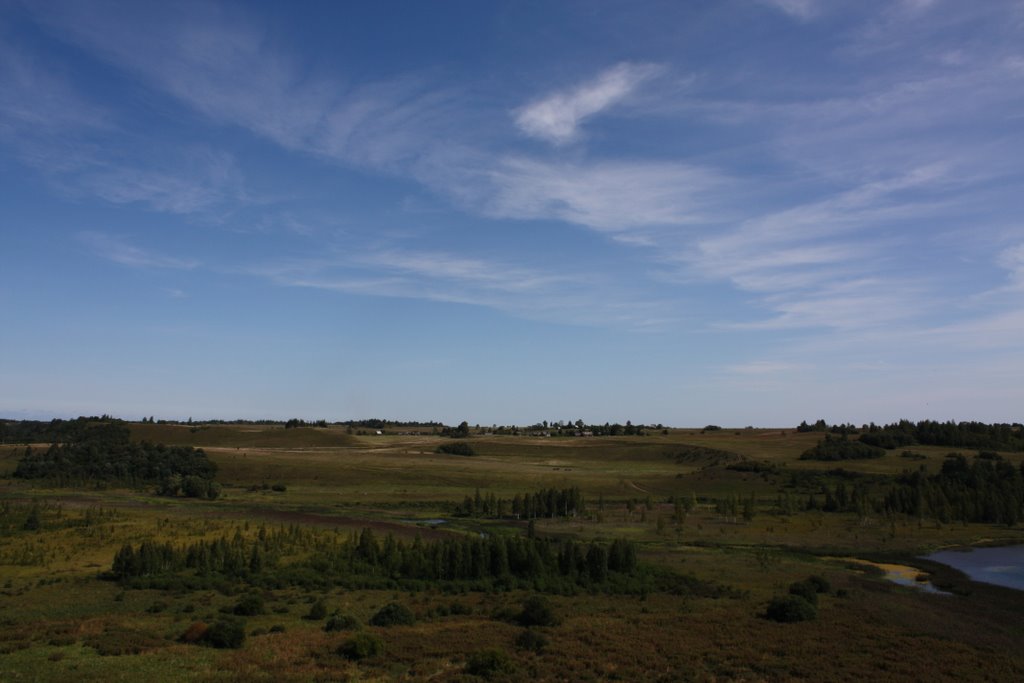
52 431
85 453
973 435
545 428
580 428
986 489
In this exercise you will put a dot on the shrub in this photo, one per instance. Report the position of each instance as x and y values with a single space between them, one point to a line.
226 633
32 522
806 590
250 605
361 646
317 611
116 642
532 640
488 663
194 487
820 583
280 488
457 608
456 448
841 449
342 622
791 608
537 612
393 614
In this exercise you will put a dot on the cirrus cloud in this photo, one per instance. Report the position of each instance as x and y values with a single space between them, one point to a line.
556 118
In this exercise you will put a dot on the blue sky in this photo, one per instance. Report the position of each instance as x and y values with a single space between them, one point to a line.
742 212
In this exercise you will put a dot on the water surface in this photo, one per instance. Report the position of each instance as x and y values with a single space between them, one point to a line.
1002 566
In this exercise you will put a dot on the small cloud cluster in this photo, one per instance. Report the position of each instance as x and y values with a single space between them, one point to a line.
556 117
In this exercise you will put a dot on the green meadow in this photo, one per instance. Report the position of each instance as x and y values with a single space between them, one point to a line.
723 522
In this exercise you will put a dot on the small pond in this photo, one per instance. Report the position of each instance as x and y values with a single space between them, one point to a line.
1002 566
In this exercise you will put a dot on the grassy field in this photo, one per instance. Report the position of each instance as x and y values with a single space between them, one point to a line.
60 621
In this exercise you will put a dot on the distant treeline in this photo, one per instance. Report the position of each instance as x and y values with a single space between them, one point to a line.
295 556
54 431
40 431
985 489
296 422
86 453
974 435
566 502
580 428
376 423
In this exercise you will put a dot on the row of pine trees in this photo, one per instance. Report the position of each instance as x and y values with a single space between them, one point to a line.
291 554
548 503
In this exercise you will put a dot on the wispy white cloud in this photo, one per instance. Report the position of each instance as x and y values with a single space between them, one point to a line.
36 99
230 72
117 250
459 269
611 197
200 180
1001 330
832 288
44 119
803 10
79 145
556 117
522 291
224 66
795 259
1012 259
844 305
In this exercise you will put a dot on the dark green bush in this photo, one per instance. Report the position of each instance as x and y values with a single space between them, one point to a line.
342 622
249 605
225 633
537 611
532 640
820 583
456 448
458 608
806 590
488 663
317 611
362 646
393 614
791 608
841 449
